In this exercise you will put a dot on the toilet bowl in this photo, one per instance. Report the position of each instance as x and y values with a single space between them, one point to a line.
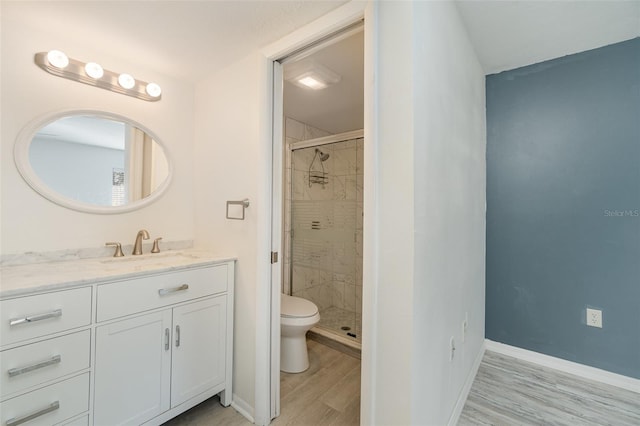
297 316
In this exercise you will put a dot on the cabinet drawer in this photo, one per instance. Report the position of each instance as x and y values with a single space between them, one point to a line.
82 421
34 316
141 294
30 365
49 405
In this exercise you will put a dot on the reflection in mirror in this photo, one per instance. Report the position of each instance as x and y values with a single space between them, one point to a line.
96 160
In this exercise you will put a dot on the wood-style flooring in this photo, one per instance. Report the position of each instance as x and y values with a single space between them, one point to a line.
508 391
328 393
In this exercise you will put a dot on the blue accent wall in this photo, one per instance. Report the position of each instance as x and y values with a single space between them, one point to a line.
563 207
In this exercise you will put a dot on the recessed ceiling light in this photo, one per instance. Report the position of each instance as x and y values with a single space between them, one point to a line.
312 82
309 74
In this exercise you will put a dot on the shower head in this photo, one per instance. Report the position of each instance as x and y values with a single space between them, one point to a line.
323 156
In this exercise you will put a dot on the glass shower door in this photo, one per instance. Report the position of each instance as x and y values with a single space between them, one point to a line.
326 252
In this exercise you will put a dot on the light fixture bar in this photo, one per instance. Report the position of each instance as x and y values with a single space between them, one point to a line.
75 70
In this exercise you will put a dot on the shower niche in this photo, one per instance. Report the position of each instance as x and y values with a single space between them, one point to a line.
323 230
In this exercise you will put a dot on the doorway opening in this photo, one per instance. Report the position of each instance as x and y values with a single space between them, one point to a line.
321 164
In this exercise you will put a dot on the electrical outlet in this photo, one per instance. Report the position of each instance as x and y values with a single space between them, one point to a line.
594 317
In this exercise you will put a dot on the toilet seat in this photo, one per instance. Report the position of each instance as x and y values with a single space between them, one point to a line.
296 307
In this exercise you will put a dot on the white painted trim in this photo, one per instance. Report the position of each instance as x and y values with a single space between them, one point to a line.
464 393
325 140
242 407
580 370
276 234
370 245
323 26
264 312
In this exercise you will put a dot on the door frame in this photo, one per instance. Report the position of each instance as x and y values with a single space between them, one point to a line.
267 387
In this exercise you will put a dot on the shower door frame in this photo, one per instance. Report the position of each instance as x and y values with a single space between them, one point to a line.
287 248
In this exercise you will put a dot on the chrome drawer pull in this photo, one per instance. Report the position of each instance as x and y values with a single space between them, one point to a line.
166 339
19 420
37 317
17 371
177 336
164 291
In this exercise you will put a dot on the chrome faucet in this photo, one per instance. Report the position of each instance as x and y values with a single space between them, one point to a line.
137 246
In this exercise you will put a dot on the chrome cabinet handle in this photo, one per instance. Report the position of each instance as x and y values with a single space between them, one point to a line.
37 317
23 419
164 291
166 339
177 336
21 370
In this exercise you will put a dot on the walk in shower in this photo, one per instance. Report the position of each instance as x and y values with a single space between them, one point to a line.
323 229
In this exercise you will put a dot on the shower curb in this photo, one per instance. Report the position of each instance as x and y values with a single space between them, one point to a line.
334 344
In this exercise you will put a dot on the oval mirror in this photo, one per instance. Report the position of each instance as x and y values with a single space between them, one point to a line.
93 162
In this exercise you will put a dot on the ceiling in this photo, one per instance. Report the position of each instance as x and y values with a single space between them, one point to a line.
340 107
188 39
512 34
191 39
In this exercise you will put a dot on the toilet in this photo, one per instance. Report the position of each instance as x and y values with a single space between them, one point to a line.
297 316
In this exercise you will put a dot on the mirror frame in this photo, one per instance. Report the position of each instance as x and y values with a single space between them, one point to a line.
21 158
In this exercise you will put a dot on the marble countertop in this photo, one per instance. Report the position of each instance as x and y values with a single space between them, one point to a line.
20 280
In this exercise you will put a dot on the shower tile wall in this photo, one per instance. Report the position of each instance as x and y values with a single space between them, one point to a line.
327 222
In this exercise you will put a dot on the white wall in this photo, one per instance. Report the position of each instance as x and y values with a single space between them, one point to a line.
392 337
425 242
431 206
449 196
32 223
231 154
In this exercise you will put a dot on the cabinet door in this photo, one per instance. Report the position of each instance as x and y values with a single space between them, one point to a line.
133 370
198 362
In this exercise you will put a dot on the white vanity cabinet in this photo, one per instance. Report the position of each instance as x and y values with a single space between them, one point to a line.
151 363
135 350
165 342
45 357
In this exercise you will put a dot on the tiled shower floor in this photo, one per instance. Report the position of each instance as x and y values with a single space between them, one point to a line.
335 319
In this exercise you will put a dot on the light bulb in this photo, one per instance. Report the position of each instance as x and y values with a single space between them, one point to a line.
57 58
94 70
126 81
153 90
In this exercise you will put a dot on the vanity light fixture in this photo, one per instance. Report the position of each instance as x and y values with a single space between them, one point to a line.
57 63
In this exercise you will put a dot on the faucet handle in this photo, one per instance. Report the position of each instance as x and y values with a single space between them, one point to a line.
156 247
118 246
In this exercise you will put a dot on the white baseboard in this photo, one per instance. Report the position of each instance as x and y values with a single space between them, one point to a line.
242 407
580 370
464 393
